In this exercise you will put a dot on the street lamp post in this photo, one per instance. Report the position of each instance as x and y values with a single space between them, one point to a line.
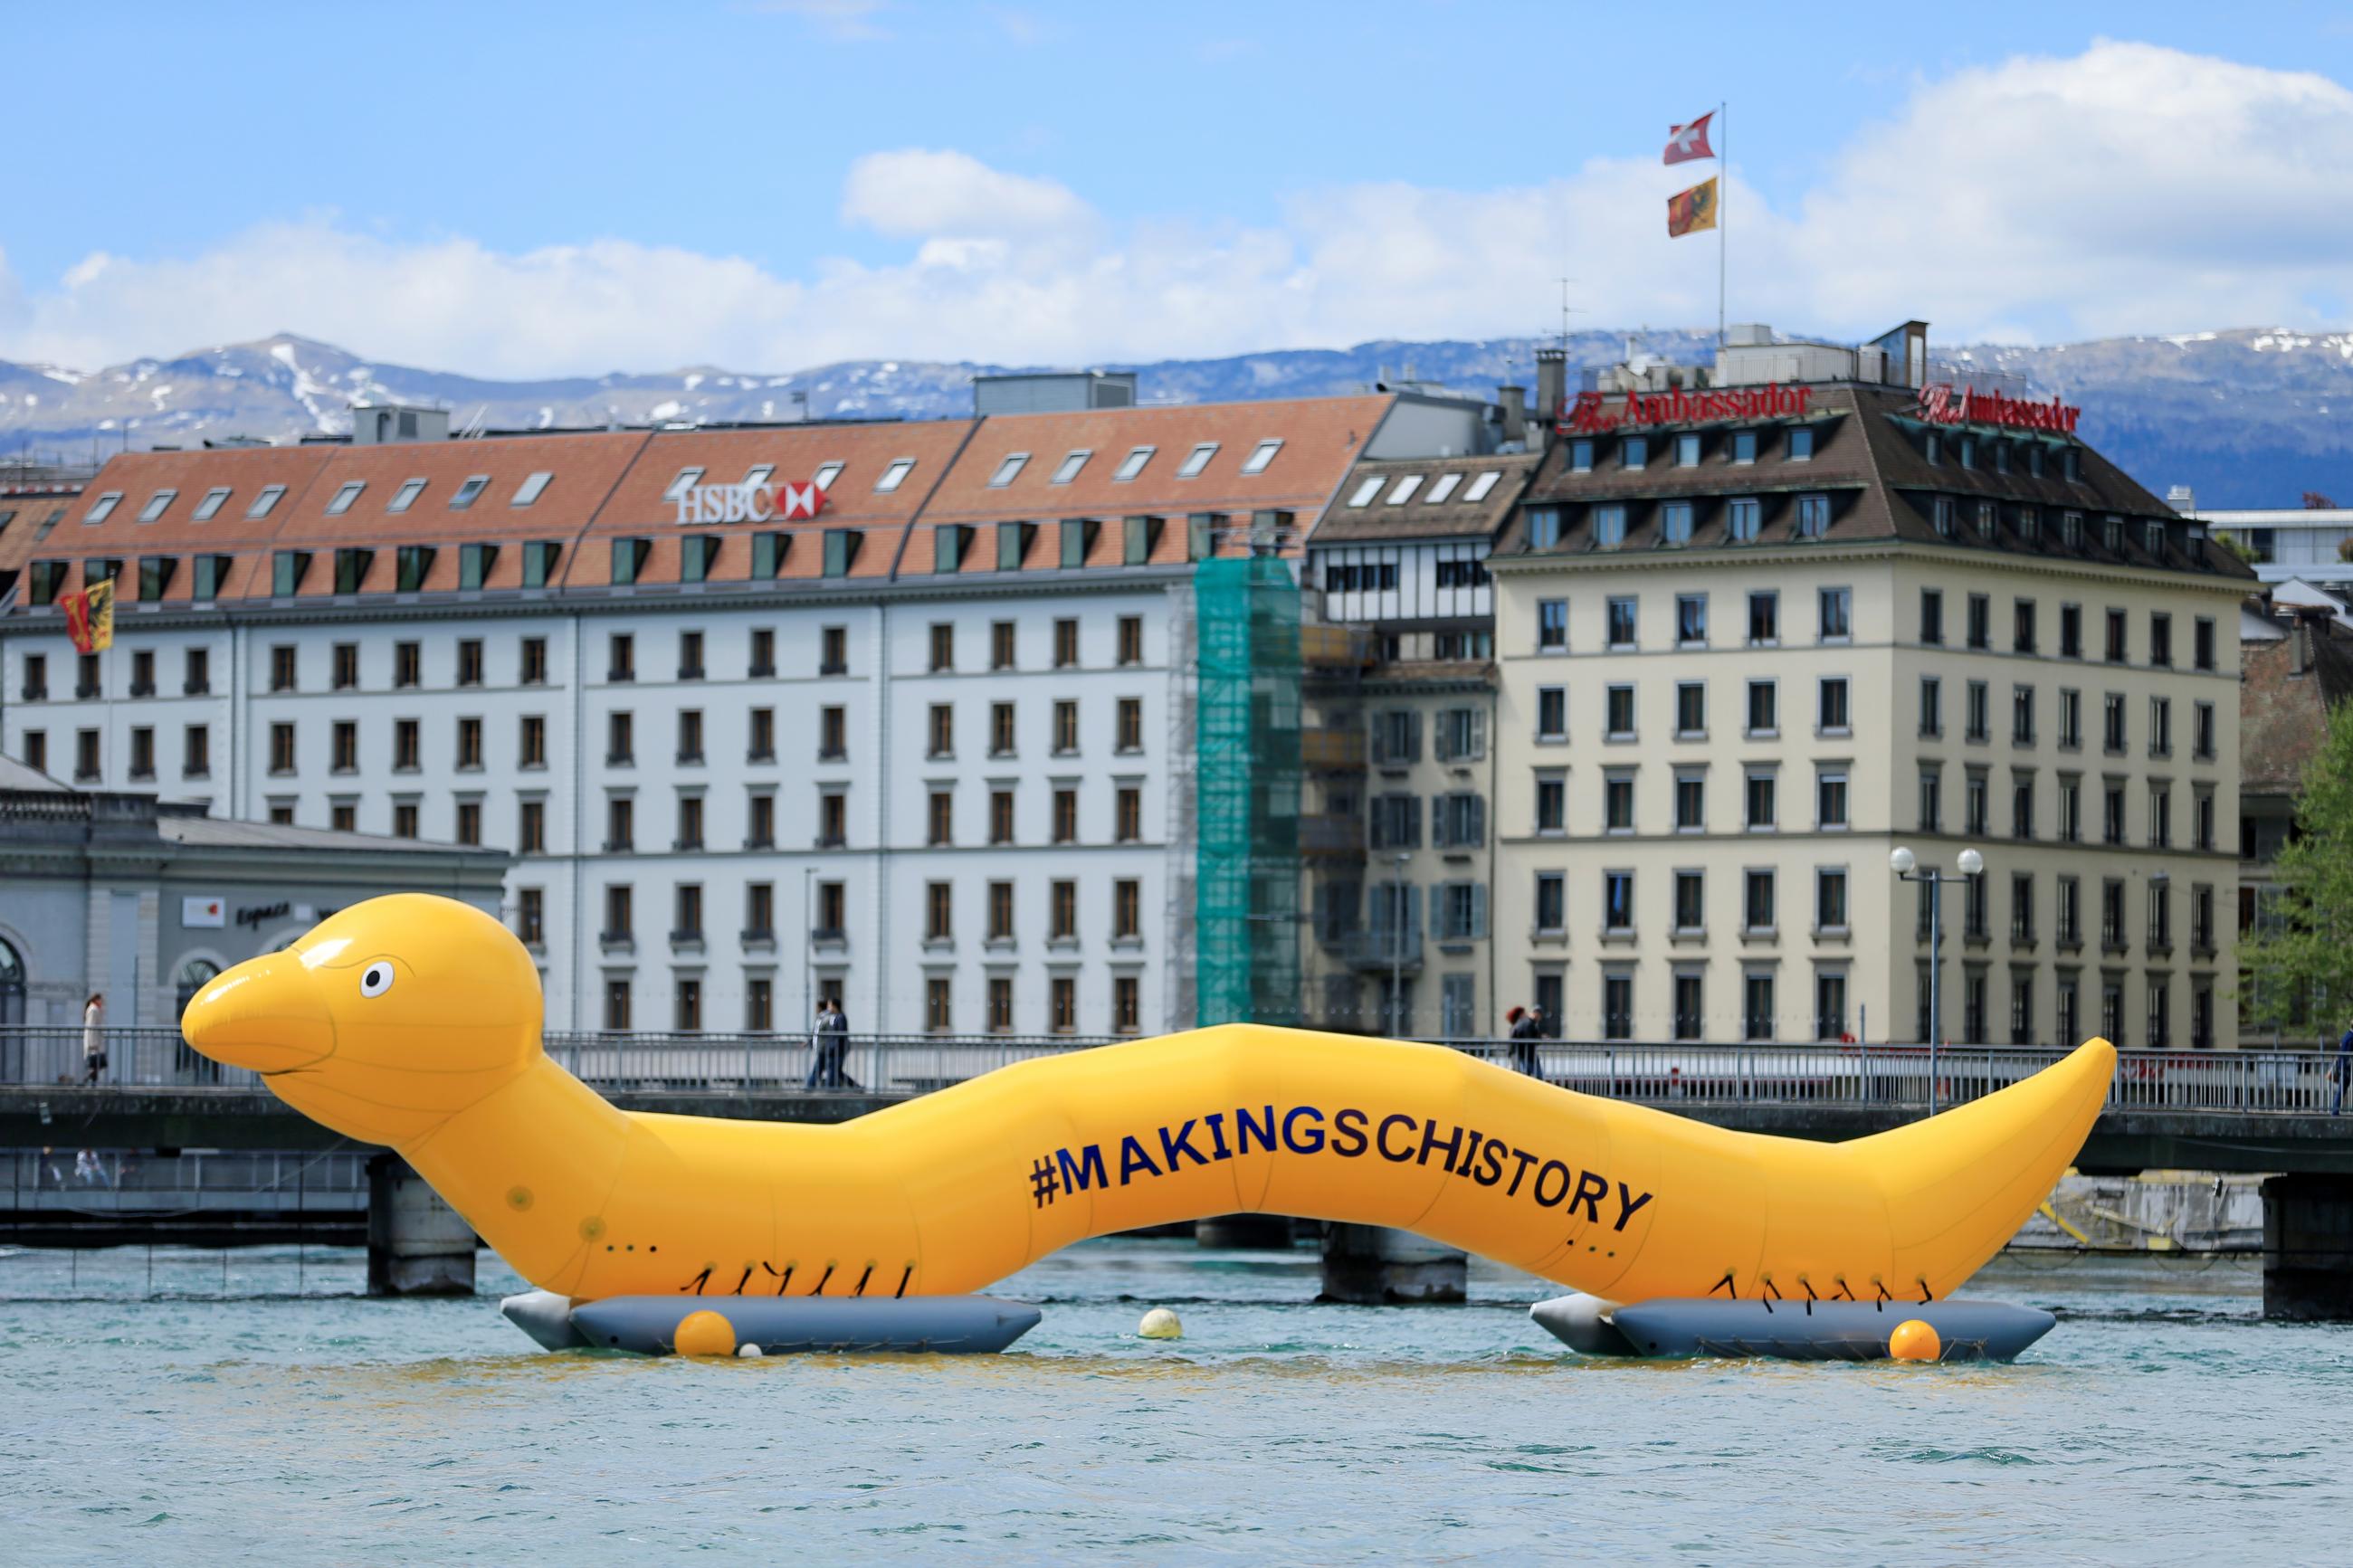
1907 869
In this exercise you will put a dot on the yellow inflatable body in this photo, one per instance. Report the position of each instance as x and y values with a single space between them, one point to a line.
415 1021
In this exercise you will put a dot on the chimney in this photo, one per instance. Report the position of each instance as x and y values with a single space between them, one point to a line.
2299 643
2181 498
1552 386
1514 401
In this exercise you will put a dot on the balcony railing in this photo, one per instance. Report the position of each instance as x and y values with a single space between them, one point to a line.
1380 949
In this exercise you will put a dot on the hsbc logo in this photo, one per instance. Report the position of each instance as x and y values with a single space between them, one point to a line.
749 503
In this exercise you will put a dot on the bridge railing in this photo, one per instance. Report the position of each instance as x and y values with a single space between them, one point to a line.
1669 1074
127 1182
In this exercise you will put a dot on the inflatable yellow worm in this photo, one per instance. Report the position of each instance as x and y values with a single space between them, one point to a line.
415 1021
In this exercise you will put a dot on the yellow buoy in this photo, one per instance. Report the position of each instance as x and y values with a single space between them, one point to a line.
1914 1340
1160 1323
705 1332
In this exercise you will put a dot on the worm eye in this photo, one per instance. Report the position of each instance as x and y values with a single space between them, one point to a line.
375 979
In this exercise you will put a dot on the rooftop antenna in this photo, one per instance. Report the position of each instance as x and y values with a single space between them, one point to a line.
1566 311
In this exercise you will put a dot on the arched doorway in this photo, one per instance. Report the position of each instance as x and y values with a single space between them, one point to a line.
193 977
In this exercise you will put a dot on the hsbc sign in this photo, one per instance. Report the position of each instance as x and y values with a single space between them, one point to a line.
749 503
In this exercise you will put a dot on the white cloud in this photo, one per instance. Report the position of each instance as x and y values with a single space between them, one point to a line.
918 193
2128 189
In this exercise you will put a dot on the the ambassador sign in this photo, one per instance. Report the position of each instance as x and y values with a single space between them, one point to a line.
750 503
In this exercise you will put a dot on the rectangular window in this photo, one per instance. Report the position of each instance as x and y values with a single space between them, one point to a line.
1623 625
1196 460
620 823
1552 625
1834 613
531 827
1550 903
1744 519
1618 901
1619 715
1830 800
1758 797
2021 715
1609 525
2202 643
1800 443
2160 726
1618 804
1932 707
2161 639
2021 630
1981 607
1830 899
1764 619
1690 620
1757 1005
1931 617
1830 706
1634 451
1757 902
1552 713
1689 1016
1551 804
1813 516
1675 522
1690 709
1764 709
1691 803
1691 903
1979 717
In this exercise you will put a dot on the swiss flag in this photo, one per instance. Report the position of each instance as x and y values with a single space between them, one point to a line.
1685 142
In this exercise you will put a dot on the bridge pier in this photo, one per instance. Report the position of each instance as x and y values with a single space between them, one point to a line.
1372 1266
418 1245
2308 1248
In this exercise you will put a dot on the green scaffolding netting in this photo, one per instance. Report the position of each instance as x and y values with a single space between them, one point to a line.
1247 788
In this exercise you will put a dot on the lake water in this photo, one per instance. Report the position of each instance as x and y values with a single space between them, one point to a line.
2161 1422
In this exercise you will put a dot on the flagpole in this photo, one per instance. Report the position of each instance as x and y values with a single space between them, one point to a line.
1723 168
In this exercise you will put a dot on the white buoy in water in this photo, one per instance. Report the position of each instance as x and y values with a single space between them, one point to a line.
1160 1323
749 1352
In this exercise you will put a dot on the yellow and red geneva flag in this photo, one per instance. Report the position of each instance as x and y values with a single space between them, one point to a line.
1692 210
90 617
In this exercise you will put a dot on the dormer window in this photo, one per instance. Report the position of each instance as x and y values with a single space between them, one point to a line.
2034 458
1544 527
1009 470
1444 486
1132 463
1196 460
1072 465
1940 512
1402 491
344 496
1969 451
1744 446
1481 486
405 496
1802 443
1634 452
1581 457
1260 456
1367 490
1932 446
1609 525
1985 518
1687 450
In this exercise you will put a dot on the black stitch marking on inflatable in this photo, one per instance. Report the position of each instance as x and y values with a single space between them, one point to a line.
821 1280
903 1280
862 1278
743 1281
1725 1284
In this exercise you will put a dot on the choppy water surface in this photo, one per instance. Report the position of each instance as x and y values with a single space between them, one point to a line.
2161 1422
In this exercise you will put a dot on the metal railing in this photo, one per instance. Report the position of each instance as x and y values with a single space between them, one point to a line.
125 1181
1669 1074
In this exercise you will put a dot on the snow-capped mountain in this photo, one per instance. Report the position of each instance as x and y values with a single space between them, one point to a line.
2247 418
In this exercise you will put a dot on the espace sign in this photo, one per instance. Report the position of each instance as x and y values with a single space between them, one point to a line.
750 503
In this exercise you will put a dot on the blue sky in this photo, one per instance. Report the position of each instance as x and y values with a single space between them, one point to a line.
515 188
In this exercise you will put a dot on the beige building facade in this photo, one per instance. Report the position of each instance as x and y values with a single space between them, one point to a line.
1743 660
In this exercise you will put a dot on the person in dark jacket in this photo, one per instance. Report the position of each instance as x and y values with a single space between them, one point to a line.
2342 1071
1527 1028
